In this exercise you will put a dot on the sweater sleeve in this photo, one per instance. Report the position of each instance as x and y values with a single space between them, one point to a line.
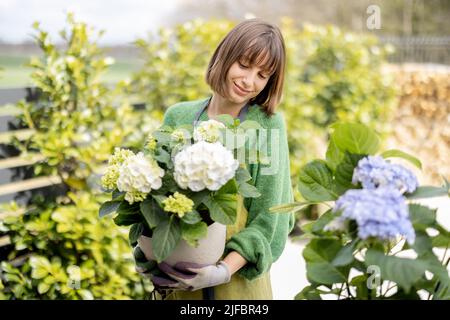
263 239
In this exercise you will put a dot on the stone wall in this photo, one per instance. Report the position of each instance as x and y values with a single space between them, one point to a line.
421 123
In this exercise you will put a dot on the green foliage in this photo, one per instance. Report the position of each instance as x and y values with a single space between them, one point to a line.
69 253
150 212
335 247
77 121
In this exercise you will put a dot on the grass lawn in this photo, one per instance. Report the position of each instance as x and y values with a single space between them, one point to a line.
14 73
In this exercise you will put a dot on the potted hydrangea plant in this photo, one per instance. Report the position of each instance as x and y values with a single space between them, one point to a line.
179 193
374 241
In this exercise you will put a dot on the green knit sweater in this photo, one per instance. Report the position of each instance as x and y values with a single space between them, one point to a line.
262 241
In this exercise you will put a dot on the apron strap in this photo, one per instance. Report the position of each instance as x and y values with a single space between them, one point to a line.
242 113
208 293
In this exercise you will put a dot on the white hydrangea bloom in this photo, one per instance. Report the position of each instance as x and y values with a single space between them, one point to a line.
139 174
204 165
208 131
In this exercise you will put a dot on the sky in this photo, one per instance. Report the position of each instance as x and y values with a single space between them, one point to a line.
123 20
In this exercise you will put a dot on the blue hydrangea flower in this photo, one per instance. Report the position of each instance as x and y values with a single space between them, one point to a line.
381 213
374 172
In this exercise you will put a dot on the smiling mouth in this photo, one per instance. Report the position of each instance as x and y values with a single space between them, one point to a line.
240 90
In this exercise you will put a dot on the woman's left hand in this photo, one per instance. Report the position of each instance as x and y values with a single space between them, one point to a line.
193 276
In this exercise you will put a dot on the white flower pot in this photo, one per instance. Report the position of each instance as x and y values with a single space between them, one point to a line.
208 251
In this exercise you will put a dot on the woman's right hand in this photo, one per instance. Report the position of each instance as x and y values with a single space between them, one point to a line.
149 269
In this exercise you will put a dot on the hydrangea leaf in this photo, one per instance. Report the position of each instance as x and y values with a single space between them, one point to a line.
395 153
316 182
222 208
403 271
193 232
165 238
355 138
152 212
319 254
108 207
192 217
135 232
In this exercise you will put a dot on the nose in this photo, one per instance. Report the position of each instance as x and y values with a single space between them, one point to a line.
249 78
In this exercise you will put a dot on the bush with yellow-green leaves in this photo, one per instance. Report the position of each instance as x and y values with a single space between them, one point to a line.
60 249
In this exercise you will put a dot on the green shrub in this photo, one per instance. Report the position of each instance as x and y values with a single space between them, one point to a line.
70 253
77 121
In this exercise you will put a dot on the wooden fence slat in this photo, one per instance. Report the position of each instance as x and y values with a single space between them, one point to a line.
16 213
20 161
22 134
29 184
4 241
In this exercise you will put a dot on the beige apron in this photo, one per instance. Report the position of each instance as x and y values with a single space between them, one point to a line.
238 288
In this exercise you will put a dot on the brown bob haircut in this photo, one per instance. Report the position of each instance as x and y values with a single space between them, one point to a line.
254 42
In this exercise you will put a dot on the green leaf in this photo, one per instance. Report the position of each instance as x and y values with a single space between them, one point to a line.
360 282
405 272
440 273
309 293
43 287
316 182
222 208
344 172
395 153
345 255
422 244
355 138
322 221
152 212
319 254
421 217
198 197
165 238
242 175
249 124
192 217
108 207
162 156
127 219
248 191
159 199
128 209
291 207
427 192
118 195
440 241
333 155
193 232
86 294
226 119
230 187
135 232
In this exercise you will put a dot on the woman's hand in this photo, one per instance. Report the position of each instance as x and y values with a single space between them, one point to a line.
193 276
150 269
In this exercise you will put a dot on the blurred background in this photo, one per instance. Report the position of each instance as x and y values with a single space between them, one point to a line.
79 78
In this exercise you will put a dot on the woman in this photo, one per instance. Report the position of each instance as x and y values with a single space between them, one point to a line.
246 75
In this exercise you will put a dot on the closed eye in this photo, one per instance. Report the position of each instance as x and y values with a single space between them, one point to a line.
242 65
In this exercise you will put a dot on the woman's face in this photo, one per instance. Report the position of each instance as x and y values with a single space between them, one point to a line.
245 82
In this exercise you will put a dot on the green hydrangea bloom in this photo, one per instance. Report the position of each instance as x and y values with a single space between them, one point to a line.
178 203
